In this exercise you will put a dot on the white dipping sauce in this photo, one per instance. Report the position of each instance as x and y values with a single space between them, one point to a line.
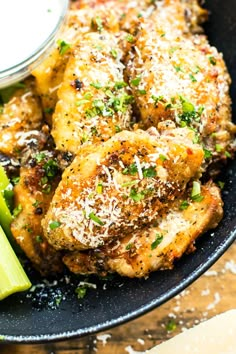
25 25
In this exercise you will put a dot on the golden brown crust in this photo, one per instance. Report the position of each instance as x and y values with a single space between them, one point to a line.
93 100
171 75
20 120
120 186
155 247
33 195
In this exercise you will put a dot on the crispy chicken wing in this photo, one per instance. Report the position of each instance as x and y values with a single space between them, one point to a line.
84 16
20 119
182 78
157 246
120 186
33 195
93 101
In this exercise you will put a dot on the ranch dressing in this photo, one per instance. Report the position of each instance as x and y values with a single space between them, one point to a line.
26 28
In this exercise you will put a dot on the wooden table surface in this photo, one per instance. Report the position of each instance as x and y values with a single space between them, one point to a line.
213 293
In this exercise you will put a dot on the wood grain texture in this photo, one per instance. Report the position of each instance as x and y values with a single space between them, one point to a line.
213 293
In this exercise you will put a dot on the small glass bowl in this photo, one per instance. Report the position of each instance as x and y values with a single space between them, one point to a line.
23 69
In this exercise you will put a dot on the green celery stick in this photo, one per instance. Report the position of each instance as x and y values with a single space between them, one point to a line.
4 181
12 275
5 214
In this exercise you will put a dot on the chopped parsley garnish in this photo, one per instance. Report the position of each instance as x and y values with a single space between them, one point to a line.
196 192
114 53
95 219
184 205
212 60
158 240
135 82
207 153
171 326
17 210
81 291
130 170
99 188
82 288
81 102
94 131
84 138
196 70
142 92
88 95
54 225
63 46
46 189
15 180
39 239
188 107
97 85
173 49
96 24
118 129
48 110
43 180
28 228
119 85
228 154
129 246
189 113
196 139
149 172
39 157
135 195
177 68
221 184
129 38
168 106
218 148
157 99
51 168
192 78
162 157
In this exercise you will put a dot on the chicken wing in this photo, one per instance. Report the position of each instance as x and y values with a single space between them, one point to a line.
120 186
93 101
84 16
20 119
156 247
33 195
181 77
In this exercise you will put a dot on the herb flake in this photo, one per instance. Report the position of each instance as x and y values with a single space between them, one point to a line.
158 240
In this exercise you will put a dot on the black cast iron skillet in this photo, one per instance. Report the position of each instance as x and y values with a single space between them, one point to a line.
31 319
